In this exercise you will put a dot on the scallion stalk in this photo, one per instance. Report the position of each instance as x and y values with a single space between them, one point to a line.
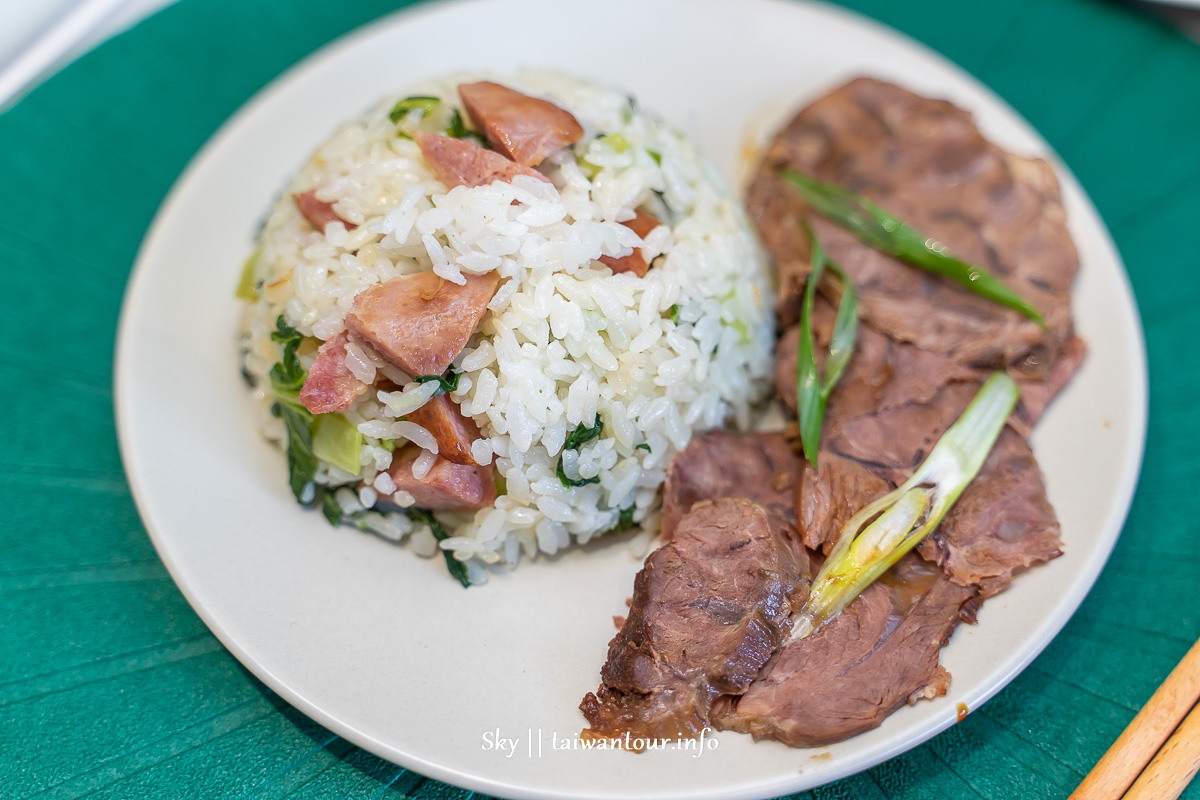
812 391
911 512
893 236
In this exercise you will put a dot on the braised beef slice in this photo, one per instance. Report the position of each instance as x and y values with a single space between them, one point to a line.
926 162
826 498
709 608
878 654
1001 524
760 466
891 407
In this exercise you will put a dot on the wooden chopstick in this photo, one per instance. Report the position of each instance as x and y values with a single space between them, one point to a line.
1134 748
1174 766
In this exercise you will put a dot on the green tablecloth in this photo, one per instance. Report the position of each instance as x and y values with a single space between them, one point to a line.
110 686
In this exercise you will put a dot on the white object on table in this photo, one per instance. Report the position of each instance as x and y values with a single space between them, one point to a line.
37 38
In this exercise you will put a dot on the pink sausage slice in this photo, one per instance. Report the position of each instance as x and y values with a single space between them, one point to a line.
458 162
318 212
421 322
642 224
524 128
330 385
447 487
453 430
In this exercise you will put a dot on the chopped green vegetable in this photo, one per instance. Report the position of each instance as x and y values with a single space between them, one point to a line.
457 568
673 313
336 441
332 509
657 156
583 435
458 130
287 376
908 514
893 236
388 444
624 521
812 391
642 446
448 383
248 285
575 439
426 105
302 463
616 141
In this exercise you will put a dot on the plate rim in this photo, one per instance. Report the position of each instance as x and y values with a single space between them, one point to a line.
1129 475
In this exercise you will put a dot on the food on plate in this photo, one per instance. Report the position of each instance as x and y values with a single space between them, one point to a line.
708 610
913 397
485 315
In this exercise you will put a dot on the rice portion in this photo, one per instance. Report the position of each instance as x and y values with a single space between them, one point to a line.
565 341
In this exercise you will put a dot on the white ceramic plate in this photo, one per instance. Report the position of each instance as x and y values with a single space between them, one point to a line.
381 646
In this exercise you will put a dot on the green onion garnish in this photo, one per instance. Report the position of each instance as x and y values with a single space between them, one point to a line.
425 105
457 568
911 512
448 382
456 129
812 392
576 439
893 236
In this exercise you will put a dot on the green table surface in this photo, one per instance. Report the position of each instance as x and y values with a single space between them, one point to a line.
111 686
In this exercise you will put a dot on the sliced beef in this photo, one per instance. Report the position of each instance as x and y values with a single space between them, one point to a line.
453 431
458 162
759 466
925 161
708 610
447 486
878 654
524 128
891 407
1001 524
641 224
828 497
318 212
330 385
1036 395
421 322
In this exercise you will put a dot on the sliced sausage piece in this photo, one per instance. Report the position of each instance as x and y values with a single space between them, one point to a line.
642 224
421 322
318 212
330 385
447 487
458 162
453 431
524 128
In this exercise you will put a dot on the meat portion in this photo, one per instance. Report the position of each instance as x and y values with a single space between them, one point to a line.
926 162
708 610
454 432
447 486
524 128
892 405
895 399
318 212
1001 524
878 654
758 466
458 162
330 385
827 498
421 322
642 224
1036 395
